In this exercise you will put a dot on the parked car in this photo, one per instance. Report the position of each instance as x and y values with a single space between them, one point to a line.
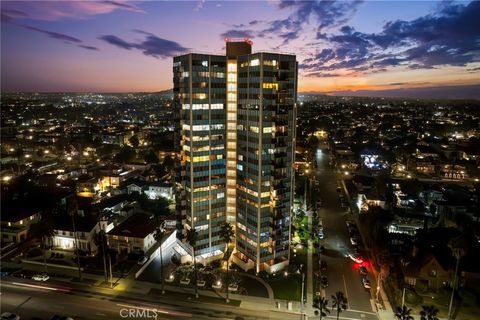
366 283
142 260
10 316
363 270
324 281
321 235
41 277
354 241
323 265
57 317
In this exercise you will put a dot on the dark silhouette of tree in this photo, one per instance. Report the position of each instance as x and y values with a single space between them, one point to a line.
168 162
125 154
134 141
403 313
150 157
339 302
429 313
226 233
192 240
322 305
43 230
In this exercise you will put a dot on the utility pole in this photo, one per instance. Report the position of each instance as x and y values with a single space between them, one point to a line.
102 238
455 280
111 275
301 302
403 297
76 247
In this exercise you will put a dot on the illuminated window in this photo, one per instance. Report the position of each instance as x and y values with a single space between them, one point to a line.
268 85
232 87
220 195
205 63
185 74
232 97
267 129
232 66
21 221
240 167
254 62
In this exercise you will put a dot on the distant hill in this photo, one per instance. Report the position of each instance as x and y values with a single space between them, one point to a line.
443 92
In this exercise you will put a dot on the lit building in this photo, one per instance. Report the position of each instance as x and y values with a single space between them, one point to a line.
236 137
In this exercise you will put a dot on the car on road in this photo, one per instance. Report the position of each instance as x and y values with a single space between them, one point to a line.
363 270
10 316
357 258
142 260
354 241
41 277
324 281
366 283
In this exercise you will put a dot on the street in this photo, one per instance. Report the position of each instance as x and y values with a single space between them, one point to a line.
35 300
341 271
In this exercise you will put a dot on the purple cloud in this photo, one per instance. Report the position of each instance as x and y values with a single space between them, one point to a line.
151 46
59 10
54 35
449 37
88 47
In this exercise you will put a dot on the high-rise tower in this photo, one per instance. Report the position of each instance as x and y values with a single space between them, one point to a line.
236 128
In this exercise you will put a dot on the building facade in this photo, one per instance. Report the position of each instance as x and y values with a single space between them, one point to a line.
236 136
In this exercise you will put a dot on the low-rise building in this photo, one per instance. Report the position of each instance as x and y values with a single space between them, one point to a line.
134 234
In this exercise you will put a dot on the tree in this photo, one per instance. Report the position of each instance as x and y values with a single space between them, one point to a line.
403 313
322 305
43 230
125 154
151 157
226 233
428 313
134 141
192 240
168 162
339 302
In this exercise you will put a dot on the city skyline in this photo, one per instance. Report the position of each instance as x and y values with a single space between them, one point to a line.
375 48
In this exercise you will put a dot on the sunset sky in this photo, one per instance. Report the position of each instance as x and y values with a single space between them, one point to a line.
125 46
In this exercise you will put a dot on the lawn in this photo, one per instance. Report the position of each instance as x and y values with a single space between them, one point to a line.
289 288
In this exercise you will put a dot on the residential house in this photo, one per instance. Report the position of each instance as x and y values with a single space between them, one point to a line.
134 234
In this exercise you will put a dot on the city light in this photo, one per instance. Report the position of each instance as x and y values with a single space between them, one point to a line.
6 178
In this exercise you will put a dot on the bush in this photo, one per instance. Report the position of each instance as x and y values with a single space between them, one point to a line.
35 252
216 264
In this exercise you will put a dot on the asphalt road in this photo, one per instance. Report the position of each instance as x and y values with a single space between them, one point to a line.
34 300
341 271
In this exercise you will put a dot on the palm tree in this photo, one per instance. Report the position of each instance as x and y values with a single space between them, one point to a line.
192 239
322 305
428 313
158 237
43 230
403 313
339 301
226 233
